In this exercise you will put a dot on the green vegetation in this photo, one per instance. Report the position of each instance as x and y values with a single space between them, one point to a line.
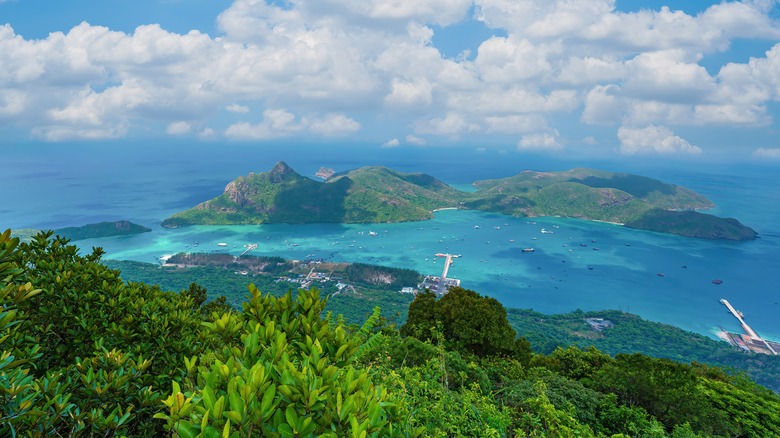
379 194
693 224
222 281
102 229
631 333
373 194
82 353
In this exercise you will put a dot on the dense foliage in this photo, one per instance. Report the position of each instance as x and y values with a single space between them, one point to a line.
631 333
86 354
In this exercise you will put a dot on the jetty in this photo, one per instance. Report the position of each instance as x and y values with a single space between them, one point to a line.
249 247
751 341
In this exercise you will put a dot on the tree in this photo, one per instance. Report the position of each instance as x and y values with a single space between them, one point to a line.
468 321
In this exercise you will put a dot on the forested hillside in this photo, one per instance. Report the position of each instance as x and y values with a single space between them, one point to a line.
86 354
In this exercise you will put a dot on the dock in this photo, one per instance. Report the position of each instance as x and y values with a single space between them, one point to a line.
250 247
751 341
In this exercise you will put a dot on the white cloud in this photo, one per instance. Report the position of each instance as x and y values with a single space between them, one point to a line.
335 65
451 125
393 142
278 123
236 108
417 141
653 140
771 153
410 93
518 123
207 134
178 128
542 140
604 104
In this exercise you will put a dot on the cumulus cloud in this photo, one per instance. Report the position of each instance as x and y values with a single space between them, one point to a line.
541 140
393 142
653 140
236 108
327 67
178 128
417 141
278 123
207 134
772 153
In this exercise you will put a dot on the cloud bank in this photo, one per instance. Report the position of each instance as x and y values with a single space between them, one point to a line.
333 67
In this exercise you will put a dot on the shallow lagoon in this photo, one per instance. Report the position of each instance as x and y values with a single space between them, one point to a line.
578 265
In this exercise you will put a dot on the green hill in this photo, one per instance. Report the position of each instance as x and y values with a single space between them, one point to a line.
368 194
378 194
102 229
632 200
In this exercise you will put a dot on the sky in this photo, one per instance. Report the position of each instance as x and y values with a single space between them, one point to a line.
683 80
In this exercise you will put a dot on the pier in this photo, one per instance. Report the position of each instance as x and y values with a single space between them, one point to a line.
752 341
250 247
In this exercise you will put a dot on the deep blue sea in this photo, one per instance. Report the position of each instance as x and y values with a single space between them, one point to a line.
55 185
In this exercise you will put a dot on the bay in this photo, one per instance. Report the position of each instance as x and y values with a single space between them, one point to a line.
48 186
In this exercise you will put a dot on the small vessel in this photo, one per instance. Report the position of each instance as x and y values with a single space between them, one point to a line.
717 281
660 274
545 231
529 249
372 233
476 227
222 244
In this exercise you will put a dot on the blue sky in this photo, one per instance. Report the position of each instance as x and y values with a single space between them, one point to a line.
694 80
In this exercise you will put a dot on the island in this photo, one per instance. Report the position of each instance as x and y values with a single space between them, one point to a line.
102 229
325 172
378 194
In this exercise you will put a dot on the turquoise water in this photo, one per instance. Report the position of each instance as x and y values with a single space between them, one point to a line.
618 269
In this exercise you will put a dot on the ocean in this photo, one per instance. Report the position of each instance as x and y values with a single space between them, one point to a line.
576 264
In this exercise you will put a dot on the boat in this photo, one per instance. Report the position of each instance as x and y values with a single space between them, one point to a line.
545 231
529 249
372 233
717 281
660 274
222 244
476 227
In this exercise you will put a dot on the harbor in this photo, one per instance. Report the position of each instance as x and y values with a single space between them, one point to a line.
750 340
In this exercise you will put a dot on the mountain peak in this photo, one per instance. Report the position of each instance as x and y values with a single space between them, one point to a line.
281 168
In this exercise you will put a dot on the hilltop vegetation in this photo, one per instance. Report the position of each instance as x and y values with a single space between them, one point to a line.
86 354
379 194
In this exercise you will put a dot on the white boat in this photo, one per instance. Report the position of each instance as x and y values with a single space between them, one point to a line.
222 244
